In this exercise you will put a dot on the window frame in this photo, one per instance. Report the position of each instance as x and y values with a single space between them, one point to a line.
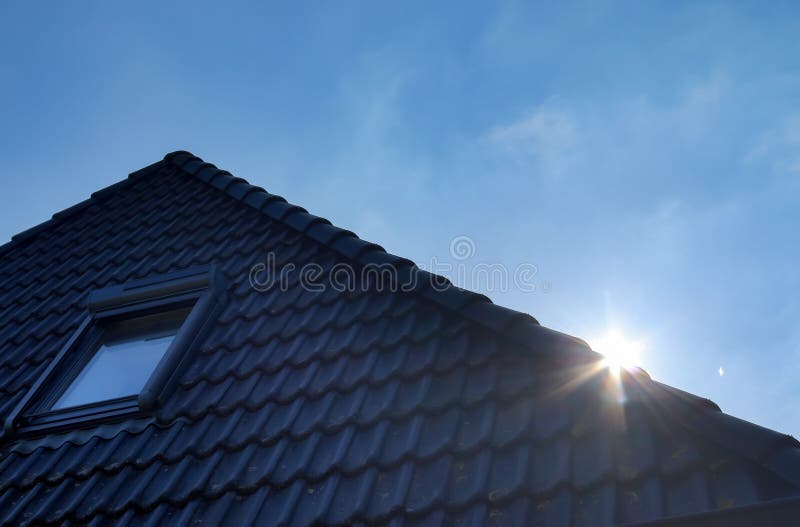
97 335
200 289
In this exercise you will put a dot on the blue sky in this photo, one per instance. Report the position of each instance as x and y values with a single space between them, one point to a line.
644 156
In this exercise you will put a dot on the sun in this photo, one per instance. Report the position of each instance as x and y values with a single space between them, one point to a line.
618 350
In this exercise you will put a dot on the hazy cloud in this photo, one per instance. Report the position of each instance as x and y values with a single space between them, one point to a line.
779 147
547 136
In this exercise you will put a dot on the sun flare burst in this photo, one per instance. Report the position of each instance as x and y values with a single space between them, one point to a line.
619 351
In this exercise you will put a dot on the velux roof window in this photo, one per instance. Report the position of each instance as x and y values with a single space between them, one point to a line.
125 356
127 353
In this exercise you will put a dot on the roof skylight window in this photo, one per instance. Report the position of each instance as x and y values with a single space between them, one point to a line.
126 355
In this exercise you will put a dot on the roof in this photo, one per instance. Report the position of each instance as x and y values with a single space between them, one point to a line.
426 406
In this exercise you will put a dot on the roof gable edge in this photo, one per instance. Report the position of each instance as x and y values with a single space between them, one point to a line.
29 234
520 327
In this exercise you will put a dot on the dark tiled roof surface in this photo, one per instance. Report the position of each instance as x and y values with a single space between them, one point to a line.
420 407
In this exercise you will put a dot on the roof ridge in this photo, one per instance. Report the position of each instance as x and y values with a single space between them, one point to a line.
520 327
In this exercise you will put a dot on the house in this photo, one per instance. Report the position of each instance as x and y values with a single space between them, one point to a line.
150 374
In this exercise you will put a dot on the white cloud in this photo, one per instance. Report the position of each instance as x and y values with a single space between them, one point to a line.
779 147
630 138
547 137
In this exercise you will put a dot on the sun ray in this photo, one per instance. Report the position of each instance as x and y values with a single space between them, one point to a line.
619 352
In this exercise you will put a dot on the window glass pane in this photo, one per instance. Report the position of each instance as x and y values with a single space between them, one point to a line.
117 369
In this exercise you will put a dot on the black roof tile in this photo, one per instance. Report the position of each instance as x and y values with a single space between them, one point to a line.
596 506
427 406
351 497
389 491
687 494
475 427
551 466
592 459
428 485
508 475
552 510
641 501
467 479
